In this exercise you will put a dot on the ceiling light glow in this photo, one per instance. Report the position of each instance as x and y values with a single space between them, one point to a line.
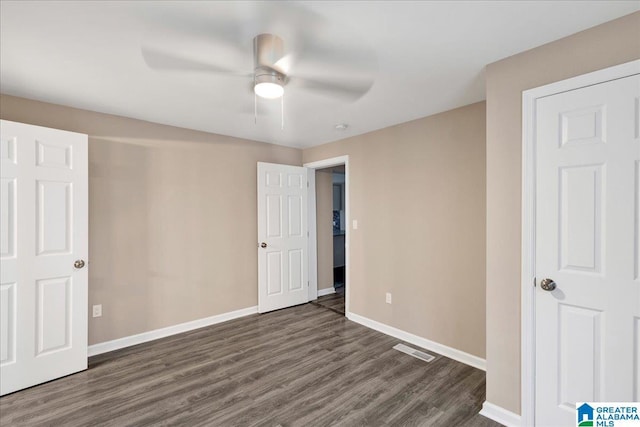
269 90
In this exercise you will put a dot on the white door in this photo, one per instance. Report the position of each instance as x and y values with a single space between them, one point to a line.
283 276
43 297
587 213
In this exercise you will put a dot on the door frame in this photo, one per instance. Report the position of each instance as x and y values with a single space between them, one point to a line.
528 248
313 255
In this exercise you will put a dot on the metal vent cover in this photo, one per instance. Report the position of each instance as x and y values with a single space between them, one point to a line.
426 357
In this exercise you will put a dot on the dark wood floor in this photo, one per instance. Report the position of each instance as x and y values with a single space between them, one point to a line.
302 366
333 302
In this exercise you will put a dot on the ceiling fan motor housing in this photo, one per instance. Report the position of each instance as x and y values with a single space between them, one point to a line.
267 50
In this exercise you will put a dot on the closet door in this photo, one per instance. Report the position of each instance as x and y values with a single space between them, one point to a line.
587 255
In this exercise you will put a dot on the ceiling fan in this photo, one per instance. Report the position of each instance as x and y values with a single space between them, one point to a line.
311 62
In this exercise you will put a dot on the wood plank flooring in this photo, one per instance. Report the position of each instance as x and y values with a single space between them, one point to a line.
302 366
333 302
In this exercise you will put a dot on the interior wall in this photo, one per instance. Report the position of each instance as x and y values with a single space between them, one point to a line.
172 217
603 46
417 191
324 228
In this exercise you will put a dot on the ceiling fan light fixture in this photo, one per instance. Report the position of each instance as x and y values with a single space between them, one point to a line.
268 90
269 86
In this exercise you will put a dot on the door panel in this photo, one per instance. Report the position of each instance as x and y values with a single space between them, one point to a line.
54 155
295 216
7 323
636 351
274 273
582 126
581 218
53 314
296 269
637 231
580 355
43 298
7 217
587 207
274 215
53 220
282 227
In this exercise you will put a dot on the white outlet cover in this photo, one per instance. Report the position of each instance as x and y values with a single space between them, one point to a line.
355 224
388 298
97 310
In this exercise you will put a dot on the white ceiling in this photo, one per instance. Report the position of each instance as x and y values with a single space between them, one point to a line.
423 57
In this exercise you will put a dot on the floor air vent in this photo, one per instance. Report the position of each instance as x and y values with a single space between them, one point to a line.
426 357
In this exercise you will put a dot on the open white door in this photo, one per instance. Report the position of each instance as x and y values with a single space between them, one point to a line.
283 276
588 214
43 240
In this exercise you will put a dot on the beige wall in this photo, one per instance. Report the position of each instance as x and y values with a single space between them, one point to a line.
418 193
606 45
172 217
324 228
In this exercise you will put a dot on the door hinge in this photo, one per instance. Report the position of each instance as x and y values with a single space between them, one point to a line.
307 184
534 282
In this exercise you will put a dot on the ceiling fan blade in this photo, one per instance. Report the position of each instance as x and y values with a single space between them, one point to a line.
192 21
332 71
283 65
168 61
229 27
347 90
320 59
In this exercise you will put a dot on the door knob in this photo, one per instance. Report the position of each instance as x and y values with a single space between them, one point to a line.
79 263
548 284
263 245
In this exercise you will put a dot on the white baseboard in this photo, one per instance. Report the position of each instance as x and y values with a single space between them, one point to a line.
328 291
444 350
119 343
500 415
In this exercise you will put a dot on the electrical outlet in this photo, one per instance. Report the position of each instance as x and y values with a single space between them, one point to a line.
97 310
355 224
388 298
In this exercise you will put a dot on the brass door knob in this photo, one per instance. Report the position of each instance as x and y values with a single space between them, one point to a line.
263 245
79 263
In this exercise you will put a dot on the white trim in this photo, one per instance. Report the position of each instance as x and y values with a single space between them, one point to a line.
129 341
328 291
527 265
327 163
500 415
451 353
312 236
528 250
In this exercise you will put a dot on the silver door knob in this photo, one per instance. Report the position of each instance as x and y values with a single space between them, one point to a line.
78 264
263 245
548 284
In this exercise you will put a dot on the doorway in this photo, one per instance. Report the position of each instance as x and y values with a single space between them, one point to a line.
330 233
329 222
